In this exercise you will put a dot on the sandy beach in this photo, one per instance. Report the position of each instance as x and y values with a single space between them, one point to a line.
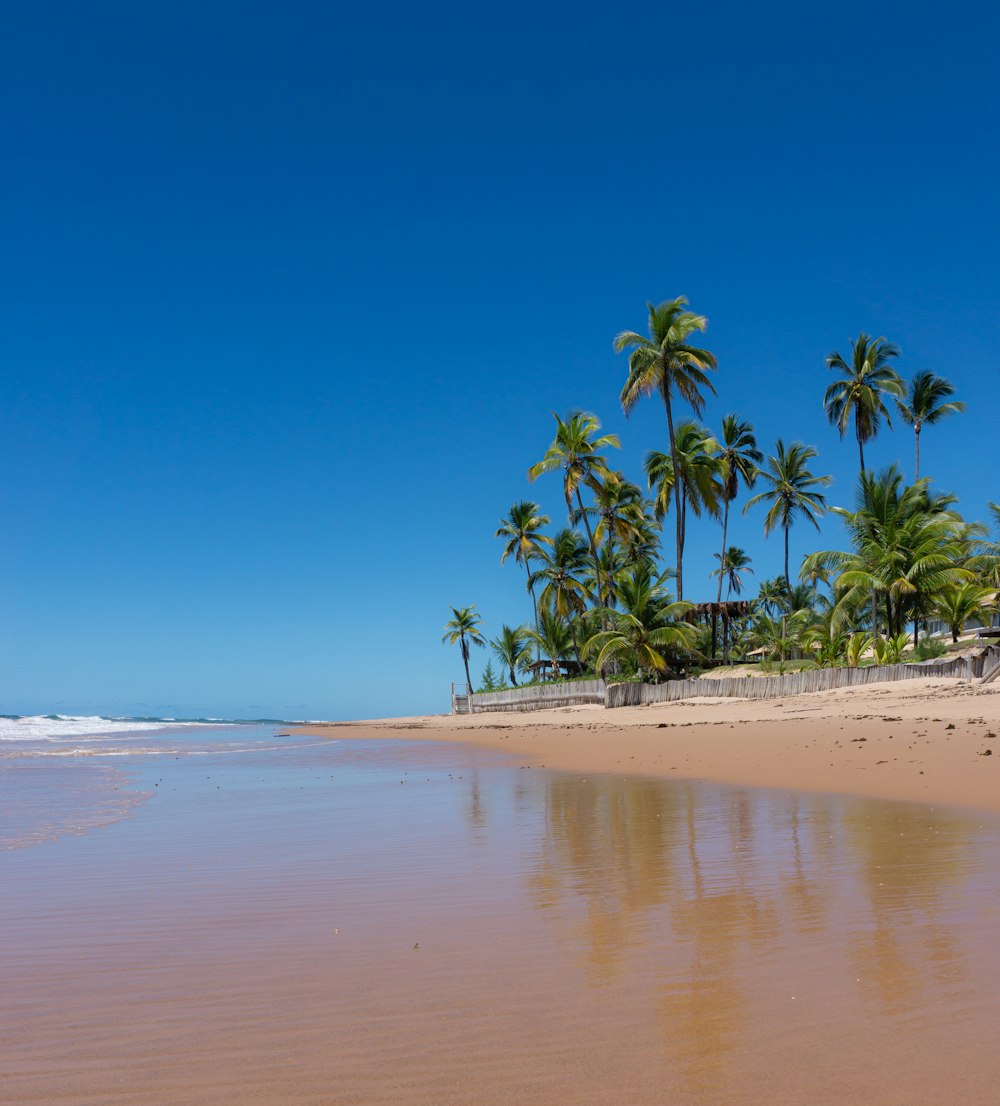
931 741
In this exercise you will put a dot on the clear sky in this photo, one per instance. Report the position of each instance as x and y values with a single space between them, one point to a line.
290 291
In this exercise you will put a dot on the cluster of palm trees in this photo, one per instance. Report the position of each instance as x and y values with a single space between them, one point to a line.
600 595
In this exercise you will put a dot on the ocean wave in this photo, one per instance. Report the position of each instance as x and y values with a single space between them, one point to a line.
56 727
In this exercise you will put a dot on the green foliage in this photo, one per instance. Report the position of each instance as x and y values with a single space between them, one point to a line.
859 392
791 490
930 649
491 682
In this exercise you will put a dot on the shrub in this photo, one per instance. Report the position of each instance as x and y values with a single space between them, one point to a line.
929 649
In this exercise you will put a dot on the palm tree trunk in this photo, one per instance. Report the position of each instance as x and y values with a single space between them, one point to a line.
593 547
677 494
788 582
534 607
861 451
722 561
916 468
465 660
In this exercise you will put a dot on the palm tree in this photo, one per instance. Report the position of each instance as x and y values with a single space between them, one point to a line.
667 363
561 573
859 393
464 630
907 546
960 603
732 565
576 450
645 628
511 649
772 596
554 637
924 406
619 516
520 531
791 491
700 486
739 457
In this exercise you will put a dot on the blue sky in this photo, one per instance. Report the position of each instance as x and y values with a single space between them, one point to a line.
290 295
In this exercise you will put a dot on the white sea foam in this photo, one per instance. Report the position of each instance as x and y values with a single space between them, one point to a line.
60 726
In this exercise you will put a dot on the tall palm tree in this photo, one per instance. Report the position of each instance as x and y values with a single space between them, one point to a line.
772 596
511 649
739 457
464 630
561 575
576 449
791 491
692 475
733 565
619 519
859 394
667 362
924 405
523 540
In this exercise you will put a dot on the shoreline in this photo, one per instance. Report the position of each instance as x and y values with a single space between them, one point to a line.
933 741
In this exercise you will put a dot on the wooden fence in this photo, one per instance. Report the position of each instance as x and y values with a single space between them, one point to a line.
798 683
568 694
580 692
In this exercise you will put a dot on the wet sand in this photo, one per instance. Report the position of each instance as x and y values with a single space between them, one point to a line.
926 741
386 921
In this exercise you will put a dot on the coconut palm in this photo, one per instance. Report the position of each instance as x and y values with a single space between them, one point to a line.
511 649
739 456
771 596
700 485
924 405
555 638
907 546
523 540
733 565
646 628
960 603
859 394
781 637
619 518
576 449
667 362
464 630
561 574
791 491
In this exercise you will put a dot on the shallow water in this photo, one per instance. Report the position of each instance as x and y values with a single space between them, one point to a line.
292 920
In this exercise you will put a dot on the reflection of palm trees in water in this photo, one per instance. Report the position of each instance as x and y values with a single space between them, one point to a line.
725 910
911 861
608 848
691 898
